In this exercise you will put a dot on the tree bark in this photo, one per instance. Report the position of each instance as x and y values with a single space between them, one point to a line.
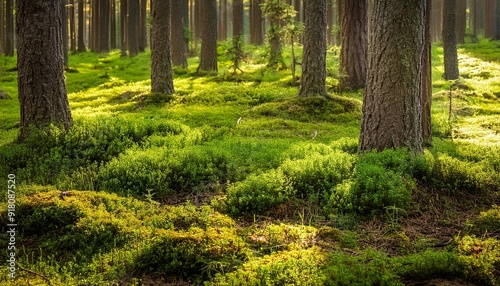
391 115
42 90
461 20
354 15
427 78
123 27
437 20
104 26
489 19
112 25
72 25
161 68
450 40
313 77
237 18
2 30
178 47
208 61
256 31
64 28
81 26
143 29
133 27
9 28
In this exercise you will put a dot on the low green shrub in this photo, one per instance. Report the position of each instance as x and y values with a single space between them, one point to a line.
488 221
259 193
480 259
293 267
274 237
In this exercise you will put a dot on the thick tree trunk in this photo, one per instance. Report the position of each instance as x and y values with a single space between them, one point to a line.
133 27
313 77
178 47
256 31
208 61
427 78
489 18
42 90
450 40
161 69
103 26
354 43
391 115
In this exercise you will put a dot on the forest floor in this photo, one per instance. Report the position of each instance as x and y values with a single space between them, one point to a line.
233 180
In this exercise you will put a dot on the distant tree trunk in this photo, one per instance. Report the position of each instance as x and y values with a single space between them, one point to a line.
256 33
475 20
186 21
178 46
391 105
72 24
9 28
427 78
237 18
330 16
489 19
132 27
222 22
313 77
437 20
208 61
198 21
42 90
461 20
450 40
123 27
81 26
64 28
112 31
103 26
143 28
2 25
161 69
354 15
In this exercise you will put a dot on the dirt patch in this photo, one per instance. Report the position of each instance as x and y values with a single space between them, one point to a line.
4 95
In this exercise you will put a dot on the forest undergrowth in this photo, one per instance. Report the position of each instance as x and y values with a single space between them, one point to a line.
233 180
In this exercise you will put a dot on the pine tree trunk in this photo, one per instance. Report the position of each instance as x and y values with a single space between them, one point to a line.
313 78
178 47
81 26
256 34
143 30
427 78
237 18
123 27
112 31
64 28
354 43
72 25
208 61
391 115
437 20
2 30
9 28
133 27
104 26
489 18
461 20
41 85
450 40
161 69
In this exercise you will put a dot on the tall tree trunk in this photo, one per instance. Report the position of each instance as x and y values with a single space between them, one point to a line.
112 19
391 105
123 27
427 78
143 29
72 25
313 77
178 46
237 18
104 26
42 90
450 40
489 18
133 27
81 27
461 20
354 43
2 30
161 68
64 28
208 61
256 31
437 20
9 28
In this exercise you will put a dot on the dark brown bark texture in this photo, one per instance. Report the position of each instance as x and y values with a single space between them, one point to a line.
133 27
427 78
450 40
354 17
208 61
489 18
9 28
461 20
81 26
256 31
142 26
313 77
391 111
41 85
178 46
161 68
103 29
237 18
123 27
